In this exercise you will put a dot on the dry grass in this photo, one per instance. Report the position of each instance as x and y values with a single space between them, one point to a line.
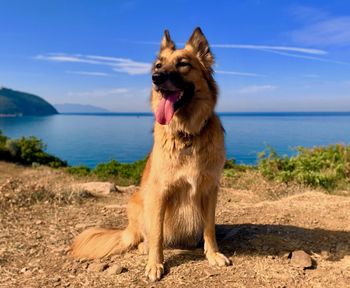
259 223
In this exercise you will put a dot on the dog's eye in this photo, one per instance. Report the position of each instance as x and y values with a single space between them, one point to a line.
183 64
158 65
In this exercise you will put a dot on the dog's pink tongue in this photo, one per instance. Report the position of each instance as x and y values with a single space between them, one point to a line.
165 110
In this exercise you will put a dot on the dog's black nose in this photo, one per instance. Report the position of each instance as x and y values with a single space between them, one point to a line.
159 78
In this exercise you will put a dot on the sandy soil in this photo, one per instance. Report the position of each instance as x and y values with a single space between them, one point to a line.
40 215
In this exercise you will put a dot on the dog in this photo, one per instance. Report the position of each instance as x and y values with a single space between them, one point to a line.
175 204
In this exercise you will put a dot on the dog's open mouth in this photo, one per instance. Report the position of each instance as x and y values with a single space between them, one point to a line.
166 107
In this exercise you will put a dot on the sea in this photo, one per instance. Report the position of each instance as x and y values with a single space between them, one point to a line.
88 139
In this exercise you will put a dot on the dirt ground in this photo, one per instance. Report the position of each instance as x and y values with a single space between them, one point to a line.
40 215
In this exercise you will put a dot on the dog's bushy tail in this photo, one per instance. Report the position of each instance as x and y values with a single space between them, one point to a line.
100 242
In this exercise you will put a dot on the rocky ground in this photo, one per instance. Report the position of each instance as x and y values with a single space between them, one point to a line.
299 239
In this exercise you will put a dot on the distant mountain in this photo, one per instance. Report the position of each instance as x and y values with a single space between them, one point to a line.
16 103
79 108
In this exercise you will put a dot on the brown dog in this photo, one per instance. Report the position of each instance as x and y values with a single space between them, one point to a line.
175 204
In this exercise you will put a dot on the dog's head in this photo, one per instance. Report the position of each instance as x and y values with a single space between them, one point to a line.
184 92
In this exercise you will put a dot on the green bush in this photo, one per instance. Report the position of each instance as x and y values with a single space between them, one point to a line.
326 167
126 173
232 169
81 170
4 153
121 173
3 139
27 150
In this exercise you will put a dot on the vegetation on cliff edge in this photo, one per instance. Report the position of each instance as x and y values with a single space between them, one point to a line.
319 167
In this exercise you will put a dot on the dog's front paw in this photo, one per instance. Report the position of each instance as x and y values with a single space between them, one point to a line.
154 271
218 259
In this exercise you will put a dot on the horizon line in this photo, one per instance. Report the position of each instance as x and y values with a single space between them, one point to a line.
111 113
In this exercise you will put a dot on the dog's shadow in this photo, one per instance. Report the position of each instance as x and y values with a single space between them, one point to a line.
275 240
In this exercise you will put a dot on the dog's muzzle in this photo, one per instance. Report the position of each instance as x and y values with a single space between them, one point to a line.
159 78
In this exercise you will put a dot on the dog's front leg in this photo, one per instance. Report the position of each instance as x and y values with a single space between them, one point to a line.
211 249
155 209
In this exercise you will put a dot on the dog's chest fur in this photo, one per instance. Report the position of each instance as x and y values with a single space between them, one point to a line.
190 167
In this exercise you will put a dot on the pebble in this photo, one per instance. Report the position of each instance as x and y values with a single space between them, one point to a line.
116 269
301 259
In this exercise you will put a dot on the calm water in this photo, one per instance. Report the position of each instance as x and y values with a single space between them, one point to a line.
90 139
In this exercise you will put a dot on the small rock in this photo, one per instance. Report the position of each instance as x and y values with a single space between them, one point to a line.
97 267
301 259
95 188
125 189
38 222
116 269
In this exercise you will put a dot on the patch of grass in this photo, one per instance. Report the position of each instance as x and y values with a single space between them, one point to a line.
121 173
126 173
232 169
324 167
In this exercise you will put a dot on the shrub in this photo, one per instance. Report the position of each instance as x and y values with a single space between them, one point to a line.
27 150
81 170
125 173
3 139
121 173
326 167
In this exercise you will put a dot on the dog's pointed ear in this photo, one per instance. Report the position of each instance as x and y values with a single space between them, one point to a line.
200 46
167 43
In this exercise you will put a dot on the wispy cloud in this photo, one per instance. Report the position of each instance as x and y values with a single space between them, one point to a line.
122 65
287 51
236 73
88 73
308 14
272 48
321 28
333 31
64 58
254 89
99 93
246 46
308 57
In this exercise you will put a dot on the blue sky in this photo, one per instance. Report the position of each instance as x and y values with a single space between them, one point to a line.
270 55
